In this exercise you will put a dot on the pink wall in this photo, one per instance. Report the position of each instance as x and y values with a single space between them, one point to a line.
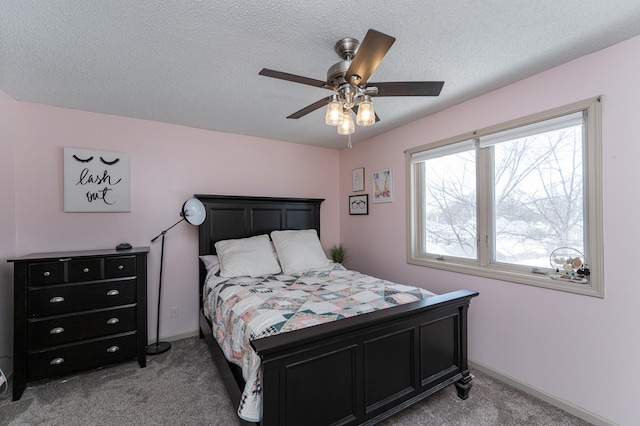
7 228
168 165
581 349
577 348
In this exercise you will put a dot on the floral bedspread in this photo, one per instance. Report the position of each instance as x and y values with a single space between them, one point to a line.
243 308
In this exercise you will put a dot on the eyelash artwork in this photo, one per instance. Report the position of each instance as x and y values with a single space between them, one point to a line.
109 163
83 160
86 160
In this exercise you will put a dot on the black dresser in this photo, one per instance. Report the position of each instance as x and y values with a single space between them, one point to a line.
77 310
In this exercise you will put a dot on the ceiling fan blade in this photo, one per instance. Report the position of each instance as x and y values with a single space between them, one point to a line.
297 79
310 108
408 88
371 51
355 111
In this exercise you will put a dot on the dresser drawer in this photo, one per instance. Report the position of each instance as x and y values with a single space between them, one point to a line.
118 267
58 330
88 354
46 273
84 270
63 299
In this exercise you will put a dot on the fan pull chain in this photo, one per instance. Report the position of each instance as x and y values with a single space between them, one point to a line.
349 146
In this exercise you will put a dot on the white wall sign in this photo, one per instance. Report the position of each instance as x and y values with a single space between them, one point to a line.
96 181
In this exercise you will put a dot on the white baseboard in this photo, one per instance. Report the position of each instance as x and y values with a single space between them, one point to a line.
175 337
544 396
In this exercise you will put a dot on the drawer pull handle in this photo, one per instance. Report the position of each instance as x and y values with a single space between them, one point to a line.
47 273
85 270
113 293
56 330
57 299
56 361
113 321
113 349
120 267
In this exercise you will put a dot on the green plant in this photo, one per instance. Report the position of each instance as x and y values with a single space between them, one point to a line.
338 253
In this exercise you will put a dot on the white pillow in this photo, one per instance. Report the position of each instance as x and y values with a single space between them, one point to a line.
251 257
209 261
299 251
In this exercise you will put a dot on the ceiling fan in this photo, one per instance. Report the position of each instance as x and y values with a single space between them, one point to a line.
349 78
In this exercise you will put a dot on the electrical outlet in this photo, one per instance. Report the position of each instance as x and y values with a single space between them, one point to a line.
174 312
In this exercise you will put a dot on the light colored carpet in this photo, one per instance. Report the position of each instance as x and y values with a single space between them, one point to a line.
182 387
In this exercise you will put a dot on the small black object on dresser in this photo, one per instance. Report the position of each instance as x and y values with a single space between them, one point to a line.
77 310
124 246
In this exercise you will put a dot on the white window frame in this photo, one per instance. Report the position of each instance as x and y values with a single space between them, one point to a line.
482 266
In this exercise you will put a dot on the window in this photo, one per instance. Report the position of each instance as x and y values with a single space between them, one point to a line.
516 202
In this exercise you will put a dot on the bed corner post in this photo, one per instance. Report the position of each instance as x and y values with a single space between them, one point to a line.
463 385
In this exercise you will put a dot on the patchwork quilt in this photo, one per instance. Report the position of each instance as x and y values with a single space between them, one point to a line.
243 308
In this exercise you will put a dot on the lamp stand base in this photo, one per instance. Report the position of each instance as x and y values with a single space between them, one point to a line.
158 348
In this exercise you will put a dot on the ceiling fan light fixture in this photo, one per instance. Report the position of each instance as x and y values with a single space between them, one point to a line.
366 115
349 80
346 127
334 115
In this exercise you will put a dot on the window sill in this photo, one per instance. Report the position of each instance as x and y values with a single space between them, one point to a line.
514 276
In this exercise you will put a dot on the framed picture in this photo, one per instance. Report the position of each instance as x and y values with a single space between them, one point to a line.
382 186
96 181
357 179
359 204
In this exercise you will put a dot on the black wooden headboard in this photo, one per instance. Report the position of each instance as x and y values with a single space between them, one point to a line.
232 217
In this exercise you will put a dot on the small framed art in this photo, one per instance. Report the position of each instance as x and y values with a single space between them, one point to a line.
359 204
382 186
357 180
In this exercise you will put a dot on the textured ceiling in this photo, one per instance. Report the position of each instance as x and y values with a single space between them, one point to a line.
196 63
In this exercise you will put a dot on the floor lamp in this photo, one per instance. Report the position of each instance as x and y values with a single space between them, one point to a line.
193 211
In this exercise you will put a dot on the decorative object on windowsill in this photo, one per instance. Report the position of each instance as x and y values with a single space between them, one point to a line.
193 211
569 265
338 253
349 79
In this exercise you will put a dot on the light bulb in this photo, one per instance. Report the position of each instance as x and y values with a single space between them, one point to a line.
346 127
334 114
366 115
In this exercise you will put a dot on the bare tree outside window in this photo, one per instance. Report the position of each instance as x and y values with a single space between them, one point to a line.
538 196
450 205
498 201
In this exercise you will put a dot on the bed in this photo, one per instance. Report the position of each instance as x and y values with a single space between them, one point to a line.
357 370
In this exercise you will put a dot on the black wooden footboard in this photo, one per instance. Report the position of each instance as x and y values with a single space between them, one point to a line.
363 369
359 370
